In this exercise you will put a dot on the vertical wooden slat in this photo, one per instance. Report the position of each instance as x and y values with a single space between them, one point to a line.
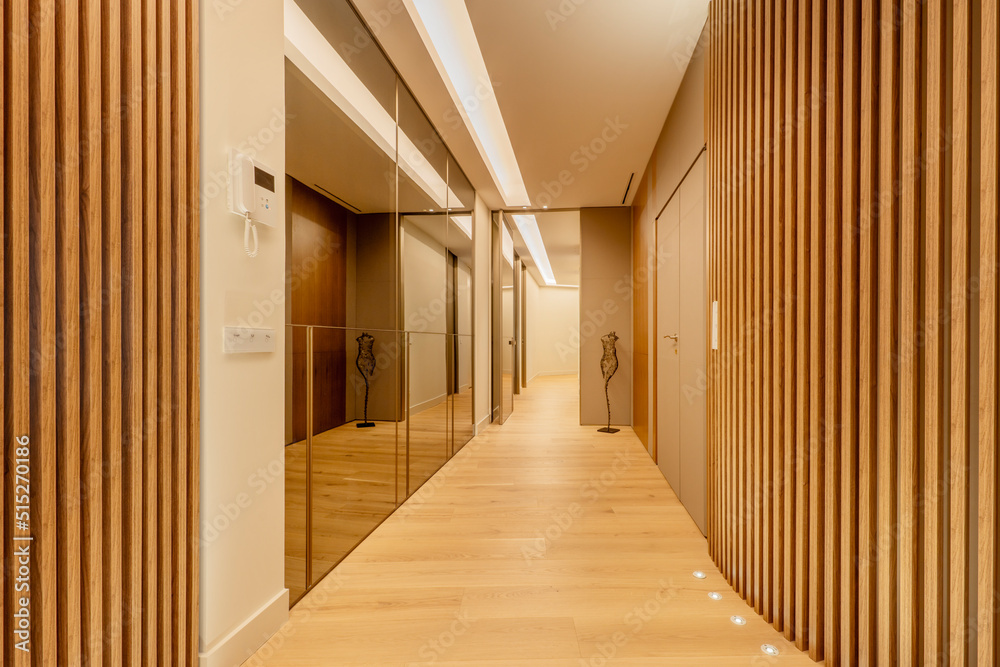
828 598
961 247
988 330
816 223
791 166
933 545
193 286
132 329
909 307
730 303
151 406
15 281
91 341
68 323
180 220
802 340
766 542
868 281
780 310
888 328
4 456
739 348
757 321
42 305
111 190
166 269
851 218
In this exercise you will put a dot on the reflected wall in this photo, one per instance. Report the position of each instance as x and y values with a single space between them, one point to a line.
379 222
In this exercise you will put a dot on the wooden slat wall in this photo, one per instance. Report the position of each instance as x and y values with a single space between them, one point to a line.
100 327
852 253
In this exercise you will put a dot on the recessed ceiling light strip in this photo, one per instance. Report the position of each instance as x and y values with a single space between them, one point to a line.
447 32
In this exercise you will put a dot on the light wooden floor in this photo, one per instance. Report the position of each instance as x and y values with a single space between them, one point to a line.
542 543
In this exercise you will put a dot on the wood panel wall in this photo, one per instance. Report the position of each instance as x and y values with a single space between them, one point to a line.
99 181
853 248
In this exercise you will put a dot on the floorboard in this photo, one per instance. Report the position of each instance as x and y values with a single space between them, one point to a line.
542 543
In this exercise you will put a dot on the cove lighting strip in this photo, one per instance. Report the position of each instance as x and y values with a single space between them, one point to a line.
508 246
309 50
528 226
463 222
446 30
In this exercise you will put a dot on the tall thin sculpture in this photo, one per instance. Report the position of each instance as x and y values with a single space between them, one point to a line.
366 366
609 365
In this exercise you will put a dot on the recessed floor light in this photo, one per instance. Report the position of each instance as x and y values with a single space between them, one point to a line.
715 596
770 650
738 620
698 574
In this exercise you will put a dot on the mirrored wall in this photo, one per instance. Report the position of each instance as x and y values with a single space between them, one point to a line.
379 292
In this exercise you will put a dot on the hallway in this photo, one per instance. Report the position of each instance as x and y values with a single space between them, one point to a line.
541 543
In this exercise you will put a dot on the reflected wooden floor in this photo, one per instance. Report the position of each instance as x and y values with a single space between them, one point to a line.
542 543
355 481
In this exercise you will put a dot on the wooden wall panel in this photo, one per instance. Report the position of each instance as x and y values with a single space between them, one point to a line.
851 253
99 334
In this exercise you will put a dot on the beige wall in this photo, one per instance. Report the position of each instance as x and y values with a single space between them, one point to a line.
243 599
424 312
482 237
552 317
681 139
605 305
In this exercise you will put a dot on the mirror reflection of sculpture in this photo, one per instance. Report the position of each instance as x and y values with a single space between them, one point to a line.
609 366
366 366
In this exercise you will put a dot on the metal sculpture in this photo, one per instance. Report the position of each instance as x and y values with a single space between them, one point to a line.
366 366
609 365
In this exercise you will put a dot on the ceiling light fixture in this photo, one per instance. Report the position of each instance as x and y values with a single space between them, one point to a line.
447 32
528 226
309 50
738 620
698 574
769 649
715 596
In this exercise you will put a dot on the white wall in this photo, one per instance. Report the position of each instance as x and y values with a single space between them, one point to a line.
553 342
424 312
242 595
482 241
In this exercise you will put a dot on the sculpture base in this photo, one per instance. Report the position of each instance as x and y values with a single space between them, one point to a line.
607 430
365 424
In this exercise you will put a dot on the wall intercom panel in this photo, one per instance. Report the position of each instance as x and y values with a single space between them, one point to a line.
252 189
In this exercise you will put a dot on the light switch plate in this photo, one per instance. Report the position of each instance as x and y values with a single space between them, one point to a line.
241 340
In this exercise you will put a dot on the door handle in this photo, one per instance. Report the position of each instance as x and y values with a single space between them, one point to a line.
673 338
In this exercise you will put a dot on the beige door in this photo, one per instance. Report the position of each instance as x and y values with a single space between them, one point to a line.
667 338
682 340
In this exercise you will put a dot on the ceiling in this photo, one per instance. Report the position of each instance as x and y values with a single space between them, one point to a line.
560 232
584 87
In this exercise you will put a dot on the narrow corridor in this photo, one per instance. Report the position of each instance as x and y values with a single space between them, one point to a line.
541 543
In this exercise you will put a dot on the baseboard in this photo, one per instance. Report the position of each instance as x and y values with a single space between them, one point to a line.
483 423
426 405
236 647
